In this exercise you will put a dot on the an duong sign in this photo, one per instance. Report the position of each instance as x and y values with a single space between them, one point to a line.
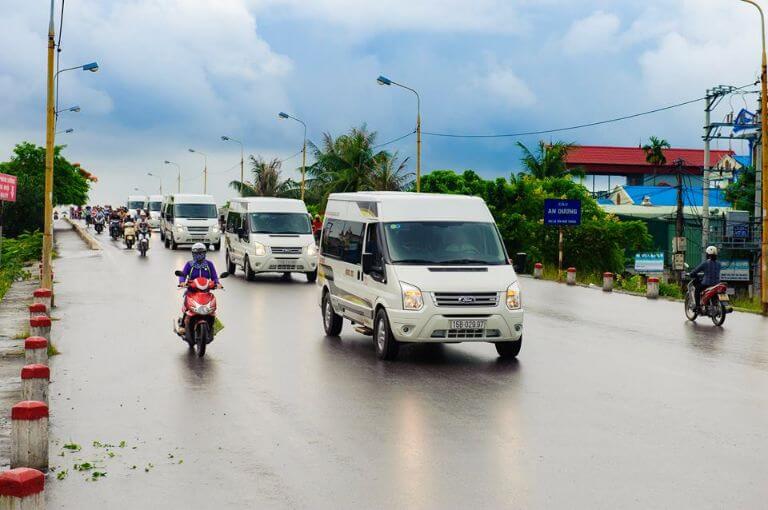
562 212
649 262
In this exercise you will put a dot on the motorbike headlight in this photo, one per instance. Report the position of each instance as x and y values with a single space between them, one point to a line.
513 296
203 309
412 298
312 250
259 249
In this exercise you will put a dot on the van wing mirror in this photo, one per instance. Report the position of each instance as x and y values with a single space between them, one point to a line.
223 275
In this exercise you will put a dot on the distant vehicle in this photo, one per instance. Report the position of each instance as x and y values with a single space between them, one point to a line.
129 234
154 205
409 267
136 203
715 303
199 312
270 235
189 219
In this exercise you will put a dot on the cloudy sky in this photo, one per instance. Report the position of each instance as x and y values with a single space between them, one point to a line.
180 73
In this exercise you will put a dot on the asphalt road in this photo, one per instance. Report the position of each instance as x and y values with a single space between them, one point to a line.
615 402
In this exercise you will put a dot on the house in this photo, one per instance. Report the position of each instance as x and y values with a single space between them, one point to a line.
661 201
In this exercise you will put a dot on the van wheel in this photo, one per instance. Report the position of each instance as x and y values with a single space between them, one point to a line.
162 235
217 246
386 345
509 350
249 274
331 321
167 242
312 277
174 246
231 266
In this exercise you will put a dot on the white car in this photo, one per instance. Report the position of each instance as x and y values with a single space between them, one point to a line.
190 219
270 235
154 205
136 203
408 267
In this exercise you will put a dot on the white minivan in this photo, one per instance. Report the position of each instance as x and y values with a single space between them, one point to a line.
154 206
412 267
136 203
268 235
189 219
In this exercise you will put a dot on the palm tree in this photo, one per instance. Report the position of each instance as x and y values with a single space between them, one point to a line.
389 174
266 180
548 160
654 151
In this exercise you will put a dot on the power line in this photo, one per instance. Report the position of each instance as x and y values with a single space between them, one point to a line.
394 139
290 157
578 126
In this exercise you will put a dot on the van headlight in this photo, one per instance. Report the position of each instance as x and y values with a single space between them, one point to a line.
215 229
311 250
513 296
259 249
180 229
412 298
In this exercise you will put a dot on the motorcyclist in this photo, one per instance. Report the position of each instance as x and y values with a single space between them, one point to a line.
195 268
142 226
710 271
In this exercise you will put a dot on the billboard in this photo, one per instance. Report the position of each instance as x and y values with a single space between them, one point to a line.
649 262
7 188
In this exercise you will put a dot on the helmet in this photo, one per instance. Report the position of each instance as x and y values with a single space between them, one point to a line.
198 252
143 214
711 250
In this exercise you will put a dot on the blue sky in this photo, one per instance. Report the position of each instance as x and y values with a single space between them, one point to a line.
180 73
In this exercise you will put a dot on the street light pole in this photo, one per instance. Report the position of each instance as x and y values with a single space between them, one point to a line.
178 178
242 155
763 165
49 141
284 115
159 178
382 80
205 169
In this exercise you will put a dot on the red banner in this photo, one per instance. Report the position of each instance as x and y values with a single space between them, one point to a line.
7 188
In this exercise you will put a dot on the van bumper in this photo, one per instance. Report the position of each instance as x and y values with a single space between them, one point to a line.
193 237
273 264
427 326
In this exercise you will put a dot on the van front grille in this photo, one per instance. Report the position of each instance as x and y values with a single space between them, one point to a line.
466 298
286 250
465 334
197 229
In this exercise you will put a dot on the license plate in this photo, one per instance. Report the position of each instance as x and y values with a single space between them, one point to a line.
723 297
468 324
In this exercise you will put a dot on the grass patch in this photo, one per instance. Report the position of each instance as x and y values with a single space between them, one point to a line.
52 350
16 253
21 335
745 303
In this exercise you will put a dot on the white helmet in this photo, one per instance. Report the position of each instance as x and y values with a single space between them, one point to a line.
198 248
711 250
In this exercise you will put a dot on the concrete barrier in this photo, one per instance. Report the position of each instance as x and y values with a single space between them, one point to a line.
92 243
22 489
652 289
571 276
34 382
538 270
42 295
36 350
29 435
38 309
607 282
40 325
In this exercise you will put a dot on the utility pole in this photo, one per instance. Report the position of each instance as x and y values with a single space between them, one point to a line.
679 220
705 178
49 154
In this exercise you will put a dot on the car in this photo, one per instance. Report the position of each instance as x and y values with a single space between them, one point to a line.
189 219
136 203
417 267
154 205
266 234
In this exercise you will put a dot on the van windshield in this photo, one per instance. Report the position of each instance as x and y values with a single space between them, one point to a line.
154 206
280 223
444 242
136 204
194 211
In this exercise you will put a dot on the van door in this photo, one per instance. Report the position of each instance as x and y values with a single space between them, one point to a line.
373 285
358 306
231 235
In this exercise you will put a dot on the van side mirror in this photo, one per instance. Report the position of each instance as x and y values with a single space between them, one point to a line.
223 275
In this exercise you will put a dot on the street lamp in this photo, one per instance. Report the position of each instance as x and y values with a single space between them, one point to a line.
74 109
283 115
178 179
383 80
159 178
763 165
92 67
205 169
242 159
66 131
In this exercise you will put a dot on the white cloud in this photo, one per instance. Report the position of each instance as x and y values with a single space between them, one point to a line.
597 33
504 86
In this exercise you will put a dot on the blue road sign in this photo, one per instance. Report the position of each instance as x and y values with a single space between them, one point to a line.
562 212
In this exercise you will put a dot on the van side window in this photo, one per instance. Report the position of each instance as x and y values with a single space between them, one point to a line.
331 239
233 222
372 244
169 212
352 242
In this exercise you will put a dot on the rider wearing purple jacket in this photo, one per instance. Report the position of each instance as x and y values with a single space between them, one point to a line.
199 266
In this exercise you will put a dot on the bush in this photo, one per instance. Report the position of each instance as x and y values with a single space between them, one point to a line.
15 253
670 290
631 284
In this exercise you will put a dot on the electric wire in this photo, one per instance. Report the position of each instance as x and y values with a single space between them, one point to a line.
394 139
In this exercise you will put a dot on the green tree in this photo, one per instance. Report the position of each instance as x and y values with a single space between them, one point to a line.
70 186
654 151
266 180
549 160
742 191
390 174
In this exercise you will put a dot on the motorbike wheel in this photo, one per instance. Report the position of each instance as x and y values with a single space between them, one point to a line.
690 303
718 314
202 332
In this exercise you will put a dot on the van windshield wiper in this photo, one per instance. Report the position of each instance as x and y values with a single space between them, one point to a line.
414 261
466 261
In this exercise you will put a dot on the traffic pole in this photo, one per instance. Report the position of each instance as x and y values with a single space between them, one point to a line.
49 141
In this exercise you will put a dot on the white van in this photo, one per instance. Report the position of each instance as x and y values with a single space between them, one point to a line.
154 206
268 235
408 267
189 219
136 203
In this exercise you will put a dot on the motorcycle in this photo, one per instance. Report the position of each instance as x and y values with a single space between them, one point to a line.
98 225
129 234
114 229
715 303
199 313
143 243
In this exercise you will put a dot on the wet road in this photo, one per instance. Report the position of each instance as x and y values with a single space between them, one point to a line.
615 402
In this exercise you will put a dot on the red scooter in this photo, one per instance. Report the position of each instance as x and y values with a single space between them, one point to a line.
199 312
715 303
